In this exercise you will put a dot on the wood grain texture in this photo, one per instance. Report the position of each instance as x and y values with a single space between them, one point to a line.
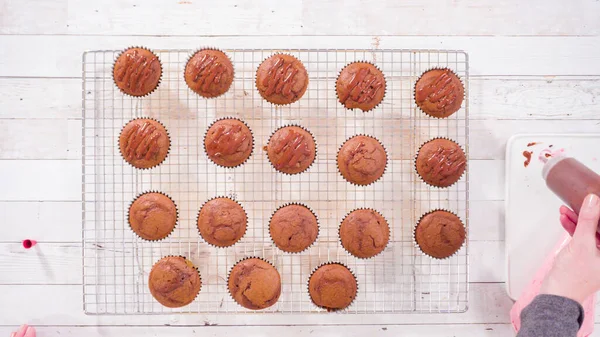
36 180
45 221
307 17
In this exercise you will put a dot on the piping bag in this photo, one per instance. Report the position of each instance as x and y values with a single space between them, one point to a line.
533 289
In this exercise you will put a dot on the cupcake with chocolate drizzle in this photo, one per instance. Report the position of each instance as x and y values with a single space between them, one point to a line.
439 93
144 143
291 149
360 85
209 73
137 71
228 142
281 79
440 162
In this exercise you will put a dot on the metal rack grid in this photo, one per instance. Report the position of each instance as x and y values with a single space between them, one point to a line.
116 263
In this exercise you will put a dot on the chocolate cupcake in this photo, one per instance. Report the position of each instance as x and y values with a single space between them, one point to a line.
439 234
439 93
360 85
228 142
364 233
291 149
293 228
440 162
222 222
281 79
144 143
254 284
332 286
137 71
152 216
209 73
174 281
362 160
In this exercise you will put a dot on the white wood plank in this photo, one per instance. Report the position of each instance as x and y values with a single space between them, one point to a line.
446 330
36 180
487 138
22 98
42 221
486 220
488 303
486 179
45 263
535 97
40 139
486 260
302 17
488 55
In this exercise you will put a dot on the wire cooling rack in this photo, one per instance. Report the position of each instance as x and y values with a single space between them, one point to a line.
116 263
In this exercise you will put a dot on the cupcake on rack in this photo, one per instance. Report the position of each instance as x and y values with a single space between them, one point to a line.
137 71
144 143
439 93
228 142
152 216
254 284
364 233
291 149
332 286
209 73
281 79
222 222
293 228
360 85
362 160
440 162
174 281
439 234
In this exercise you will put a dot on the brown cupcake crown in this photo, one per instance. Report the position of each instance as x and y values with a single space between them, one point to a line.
193 266
366 209
158 192
386 159
314 141
221 197
414 234
196 51
123 155
113 71
251 258
301 205
431 185
332 263
222 119
283 102
384 86
415 91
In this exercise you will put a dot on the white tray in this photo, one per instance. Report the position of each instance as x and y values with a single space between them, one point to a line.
532 218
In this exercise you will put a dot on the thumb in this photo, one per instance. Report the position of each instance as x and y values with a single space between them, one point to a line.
587 224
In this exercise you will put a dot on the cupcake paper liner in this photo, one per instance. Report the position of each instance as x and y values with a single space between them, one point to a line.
384 169
192 54
328 263
119 143
423 180
314 140
206 134
369 209
153 191
313 213
384 90
193 266
198 218
416 244
244 259
256 78
121 53
415 90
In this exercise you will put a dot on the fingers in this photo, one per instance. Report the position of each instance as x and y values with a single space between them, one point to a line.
21 331
30 332
569 213
587 224
13 334
567 224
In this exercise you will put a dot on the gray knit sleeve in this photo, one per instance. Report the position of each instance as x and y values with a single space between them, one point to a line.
551 316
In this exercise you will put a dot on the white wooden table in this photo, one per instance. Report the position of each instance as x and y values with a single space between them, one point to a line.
535 67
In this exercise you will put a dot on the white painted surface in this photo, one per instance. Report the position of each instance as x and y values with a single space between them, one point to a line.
531 208
535 67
